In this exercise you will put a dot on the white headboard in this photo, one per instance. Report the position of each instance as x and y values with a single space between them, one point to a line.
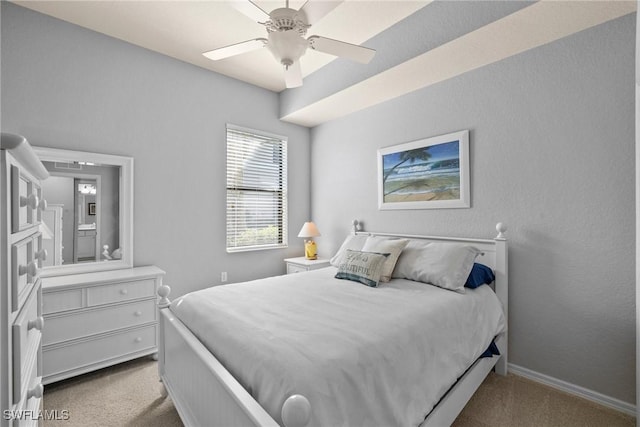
494 255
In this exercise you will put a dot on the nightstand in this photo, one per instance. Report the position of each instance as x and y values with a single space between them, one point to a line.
296 265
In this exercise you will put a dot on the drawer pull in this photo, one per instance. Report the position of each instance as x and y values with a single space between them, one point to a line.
31 201
37 323
42 205
138 339
41 254
31 269
138 313
36 392
123 292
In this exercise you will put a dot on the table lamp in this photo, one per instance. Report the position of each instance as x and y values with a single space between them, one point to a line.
308 232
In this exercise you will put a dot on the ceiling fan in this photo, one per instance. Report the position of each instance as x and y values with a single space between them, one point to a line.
286 29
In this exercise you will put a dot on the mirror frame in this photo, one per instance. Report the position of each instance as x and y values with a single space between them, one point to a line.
125 208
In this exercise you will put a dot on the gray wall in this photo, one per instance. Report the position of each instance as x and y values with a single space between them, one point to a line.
552 143
637 64
67 87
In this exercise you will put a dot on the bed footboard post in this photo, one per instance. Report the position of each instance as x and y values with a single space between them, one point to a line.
163 304
502 291
296 411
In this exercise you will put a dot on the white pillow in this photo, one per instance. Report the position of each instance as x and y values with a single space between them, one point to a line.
354 242
393 247
446 265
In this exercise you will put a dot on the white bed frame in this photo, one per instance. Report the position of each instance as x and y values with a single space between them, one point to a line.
205 393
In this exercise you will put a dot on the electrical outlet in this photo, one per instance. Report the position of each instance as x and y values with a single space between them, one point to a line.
223 276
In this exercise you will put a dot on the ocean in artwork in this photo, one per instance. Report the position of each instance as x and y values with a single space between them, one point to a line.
424 174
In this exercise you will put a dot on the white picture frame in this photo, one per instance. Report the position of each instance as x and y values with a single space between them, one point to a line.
430 173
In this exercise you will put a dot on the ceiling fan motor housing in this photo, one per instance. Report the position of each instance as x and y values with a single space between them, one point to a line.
286 19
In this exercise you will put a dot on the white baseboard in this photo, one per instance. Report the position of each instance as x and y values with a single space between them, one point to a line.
576 390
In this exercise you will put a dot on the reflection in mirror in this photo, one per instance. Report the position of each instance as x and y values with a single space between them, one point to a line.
87 223
84 200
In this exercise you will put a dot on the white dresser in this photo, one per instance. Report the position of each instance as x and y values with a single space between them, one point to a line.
20 293
94 320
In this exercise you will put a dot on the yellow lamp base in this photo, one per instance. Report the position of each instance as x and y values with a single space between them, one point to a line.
310 250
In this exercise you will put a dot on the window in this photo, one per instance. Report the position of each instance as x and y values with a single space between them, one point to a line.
256 190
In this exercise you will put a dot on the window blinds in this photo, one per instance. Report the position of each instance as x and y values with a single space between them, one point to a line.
256 190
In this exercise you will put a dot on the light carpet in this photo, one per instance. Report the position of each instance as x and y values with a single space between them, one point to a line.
129 395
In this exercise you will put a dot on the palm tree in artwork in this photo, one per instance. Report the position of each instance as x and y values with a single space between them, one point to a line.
408 156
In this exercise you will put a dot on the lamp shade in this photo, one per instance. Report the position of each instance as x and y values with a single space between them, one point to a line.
309 229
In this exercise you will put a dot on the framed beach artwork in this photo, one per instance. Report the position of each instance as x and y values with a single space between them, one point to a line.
425 174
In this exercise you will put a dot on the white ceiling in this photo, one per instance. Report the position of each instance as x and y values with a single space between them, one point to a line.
183 29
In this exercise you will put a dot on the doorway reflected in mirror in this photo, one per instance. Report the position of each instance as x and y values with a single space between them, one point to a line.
83 213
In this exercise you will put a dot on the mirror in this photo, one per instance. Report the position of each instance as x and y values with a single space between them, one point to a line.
88 222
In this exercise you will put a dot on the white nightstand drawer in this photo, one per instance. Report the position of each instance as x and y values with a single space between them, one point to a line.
300 264
61 358
98 295
292 268
70 326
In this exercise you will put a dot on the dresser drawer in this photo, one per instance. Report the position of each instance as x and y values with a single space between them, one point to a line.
31 408
32 392
98 295
32 388
24 271
70 326
27 329
26 336
55 302
62 358
26 200
39 253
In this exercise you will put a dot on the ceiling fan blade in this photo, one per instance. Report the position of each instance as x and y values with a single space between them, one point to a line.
250 9
342 49
315 10
293 75
235 49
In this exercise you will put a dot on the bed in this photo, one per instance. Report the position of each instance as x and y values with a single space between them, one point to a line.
246 360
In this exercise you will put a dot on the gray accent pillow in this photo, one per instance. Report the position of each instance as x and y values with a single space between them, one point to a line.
446 265
362 267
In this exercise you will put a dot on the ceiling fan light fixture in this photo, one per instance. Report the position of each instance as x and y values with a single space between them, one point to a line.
287 46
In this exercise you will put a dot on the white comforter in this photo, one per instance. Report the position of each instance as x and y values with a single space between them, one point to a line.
362 356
